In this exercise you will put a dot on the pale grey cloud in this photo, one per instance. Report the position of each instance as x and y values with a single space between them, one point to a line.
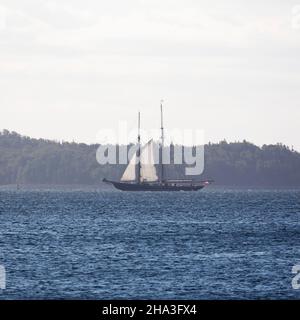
231 67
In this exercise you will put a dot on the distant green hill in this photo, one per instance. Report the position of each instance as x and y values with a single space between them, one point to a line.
25 160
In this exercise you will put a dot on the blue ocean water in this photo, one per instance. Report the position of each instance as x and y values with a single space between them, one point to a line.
212 244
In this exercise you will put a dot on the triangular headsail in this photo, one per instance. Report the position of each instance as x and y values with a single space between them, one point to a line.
130 172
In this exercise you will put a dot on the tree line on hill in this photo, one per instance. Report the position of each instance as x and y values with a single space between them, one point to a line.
24 160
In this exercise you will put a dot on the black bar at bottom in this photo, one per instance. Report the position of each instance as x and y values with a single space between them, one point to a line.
136 309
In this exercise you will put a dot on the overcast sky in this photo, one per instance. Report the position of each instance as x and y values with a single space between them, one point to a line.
71 67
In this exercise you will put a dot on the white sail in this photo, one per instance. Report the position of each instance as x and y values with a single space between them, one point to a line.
148 170
130 172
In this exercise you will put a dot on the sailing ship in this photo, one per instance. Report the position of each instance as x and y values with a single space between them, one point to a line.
141 173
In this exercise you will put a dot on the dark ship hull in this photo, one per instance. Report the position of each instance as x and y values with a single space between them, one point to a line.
127 186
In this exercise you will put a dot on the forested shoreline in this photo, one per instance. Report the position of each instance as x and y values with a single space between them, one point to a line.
24 160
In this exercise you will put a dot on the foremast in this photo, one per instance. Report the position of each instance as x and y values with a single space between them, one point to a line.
162 178
139 149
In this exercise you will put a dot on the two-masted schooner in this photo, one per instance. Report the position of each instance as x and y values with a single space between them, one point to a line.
141 173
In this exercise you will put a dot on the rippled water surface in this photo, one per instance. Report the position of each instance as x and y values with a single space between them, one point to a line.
212 244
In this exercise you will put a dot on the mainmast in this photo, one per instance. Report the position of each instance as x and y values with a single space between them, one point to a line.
162 142
139 149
